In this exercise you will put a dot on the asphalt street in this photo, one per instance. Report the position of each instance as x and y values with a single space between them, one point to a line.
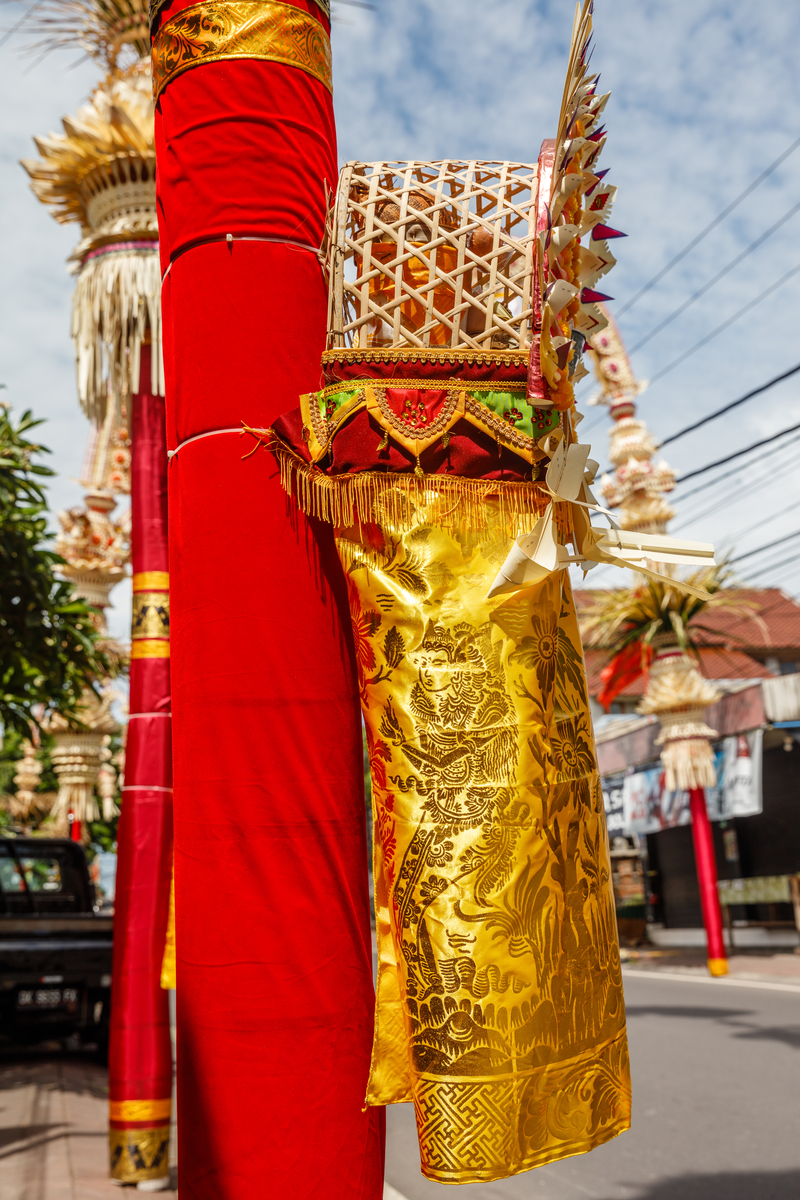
716 1106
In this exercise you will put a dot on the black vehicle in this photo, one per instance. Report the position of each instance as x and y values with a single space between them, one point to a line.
55 945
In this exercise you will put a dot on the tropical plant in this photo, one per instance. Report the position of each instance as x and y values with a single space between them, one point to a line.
49 648
617 619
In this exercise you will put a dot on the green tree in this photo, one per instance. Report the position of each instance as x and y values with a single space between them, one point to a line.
49 648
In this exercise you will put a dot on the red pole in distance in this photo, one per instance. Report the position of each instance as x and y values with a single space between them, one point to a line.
707 880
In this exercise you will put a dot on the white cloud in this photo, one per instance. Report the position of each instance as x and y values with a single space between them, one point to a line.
703 99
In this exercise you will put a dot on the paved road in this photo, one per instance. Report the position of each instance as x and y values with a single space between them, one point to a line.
716 1088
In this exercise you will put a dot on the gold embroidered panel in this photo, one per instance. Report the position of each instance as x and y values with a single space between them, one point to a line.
138 1154
499 996
150 615
228 29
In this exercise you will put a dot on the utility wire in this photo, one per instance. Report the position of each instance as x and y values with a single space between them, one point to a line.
725 325
762 571
760 549
737 470
751 187
737 496
772 517
738 453
673 437
719 275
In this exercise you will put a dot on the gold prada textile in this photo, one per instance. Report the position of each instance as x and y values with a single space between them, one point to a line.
151 581
500 1010
150 615
150 648
226 29
140 1110
138 1154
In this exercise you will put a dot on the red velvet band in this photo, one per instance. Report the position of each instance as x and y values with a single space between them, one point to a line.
274 987
140 1051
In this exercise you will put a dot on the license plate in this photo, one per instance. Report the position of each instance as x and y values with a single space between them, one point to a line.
47 997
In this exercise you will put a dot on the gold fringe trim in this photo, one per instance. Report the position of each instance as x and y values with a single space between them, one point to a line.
450 501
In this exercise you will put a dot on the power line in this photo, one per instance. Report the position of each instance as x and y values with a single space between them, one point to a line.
772 517
719 275
737 494
738 453
751 187
673 437
760 549
785 562
736 470
725 325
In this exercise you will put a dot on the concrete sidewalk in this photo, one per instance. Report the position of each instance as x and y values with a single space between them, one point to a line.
763 967
53 1121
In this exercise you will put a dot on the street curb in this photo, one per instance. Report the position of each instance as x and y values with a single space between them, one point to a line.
722 981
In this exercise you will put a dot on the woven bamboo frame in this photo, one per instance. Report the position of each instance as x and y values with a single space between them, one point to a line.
466 230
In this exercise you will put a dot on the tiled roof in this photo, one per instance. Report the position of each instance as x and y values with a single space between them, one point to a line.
770 622
715 663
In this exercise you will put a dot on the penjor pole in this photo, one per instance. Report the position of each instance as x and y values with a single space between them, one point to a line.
140 1051
274 980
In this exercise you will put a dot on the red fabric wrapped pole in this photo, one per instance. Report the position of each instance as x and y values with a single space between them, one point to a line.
140 1052
707 879
274 981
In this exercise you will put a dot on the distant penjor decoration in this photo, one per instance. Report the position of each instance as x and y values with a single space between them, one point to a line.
100 173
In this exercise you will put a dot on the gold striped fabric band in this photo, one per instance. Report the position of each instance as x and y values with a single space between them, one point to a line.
150 648
226 29
139 1110
151 581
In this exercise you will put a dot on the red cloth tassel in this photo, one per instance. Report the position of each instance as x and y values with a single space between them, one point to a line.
624 668
275 1000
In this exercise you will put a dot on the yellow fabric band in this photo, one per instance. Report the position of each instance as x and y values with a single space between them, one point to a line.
227 29
140 1110
168 969
151 581
150 648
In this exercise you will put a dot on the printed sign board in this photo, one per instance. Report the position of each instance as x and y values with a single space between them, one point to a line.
640 803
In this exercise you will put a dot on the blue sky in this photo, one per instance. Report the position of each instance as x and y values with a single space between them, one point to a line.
703 98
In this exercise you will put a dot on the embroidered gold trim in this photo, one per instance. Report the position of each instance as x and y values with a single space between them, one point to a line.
459 403
432 385
498 358
413 437
140 1110
151 581
227 29
150 648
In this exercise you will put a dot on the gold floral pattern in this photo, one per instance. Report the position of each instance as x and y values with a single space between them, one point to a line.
500 1009
226 29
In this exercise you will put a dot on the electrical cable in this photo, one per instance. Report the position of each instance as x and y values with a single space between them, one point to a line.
725 325
673 437
737 454
753 485
751 187
760 549
719 275
736 470
762 571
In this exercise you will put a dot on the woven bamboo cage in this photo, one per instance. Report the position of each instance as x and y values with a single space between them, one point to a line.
433 254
